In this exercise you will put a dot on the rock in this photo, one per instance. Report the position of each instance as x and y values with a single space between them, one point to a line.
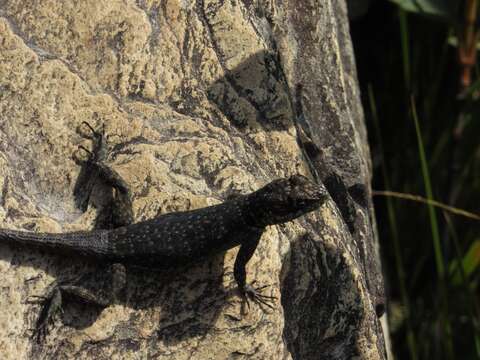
200 99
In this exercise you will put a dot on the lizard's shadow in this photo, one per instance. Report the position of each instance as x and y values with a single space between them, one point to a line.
188 299
184 309
63 269
254 93
332 287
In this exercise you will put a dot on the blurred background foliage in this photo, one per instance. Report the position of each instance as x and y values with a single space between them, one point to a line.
420 84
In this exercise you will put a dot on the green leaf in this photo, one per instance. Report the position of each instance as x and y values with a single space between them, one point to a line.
444 9
469 263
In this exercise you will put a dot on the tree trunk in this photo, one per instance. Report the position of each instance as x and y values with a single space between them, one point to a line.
200 100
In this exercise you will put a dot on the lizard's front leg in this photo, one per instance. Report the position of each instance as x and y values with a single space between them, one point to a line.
95 166
247 291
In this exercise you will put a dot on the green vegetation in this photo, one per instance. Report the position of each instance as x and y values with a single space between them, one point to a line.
421 92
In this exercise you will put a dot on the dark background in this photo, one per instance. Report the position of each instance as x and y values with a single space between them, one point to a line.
409 69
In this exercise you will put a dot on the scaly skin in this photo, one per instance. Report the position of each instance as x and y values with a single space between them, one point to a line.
180 237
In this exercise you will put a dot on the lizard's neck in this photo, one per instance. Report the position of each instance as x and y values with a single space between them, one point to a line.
254 211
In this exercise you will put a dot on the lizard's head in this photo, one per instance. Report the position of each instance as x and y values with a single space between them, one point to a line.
283 200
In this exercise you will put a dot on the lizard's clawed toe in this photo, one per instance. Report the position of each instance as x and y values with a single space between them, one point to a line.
51 306
80 160
35 299
98 147
255 295
94 133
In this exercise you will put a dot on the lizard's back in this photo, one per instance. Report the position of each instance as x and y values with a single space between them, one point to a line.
179 236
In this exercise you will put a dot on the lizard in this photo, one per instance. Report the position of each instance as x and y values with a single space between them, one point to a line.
171 239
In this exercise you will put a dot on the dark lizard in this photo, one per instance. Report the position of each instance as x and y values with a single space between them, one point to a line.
176 238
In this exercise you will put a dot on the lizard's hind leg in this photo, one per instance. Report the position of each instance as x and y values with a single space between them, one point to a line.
51 303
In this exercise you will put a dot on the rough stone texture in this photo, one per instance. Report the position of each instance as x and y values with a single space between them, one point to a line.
198 100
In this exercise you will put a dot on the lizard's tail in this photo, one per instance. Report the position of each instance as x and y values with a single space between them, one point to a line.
87 242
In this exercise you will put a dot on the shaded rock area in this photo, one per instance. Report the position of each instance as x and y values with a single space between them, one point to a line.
200 100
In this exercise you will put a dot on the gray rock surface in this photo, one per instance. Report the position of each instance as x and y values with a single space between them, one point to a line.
200 99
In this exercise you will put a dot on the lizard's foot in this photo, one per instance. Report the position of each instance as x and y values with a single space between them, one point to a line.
117 208
80 160
52 302
99 149
255 294
96 158
51 306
